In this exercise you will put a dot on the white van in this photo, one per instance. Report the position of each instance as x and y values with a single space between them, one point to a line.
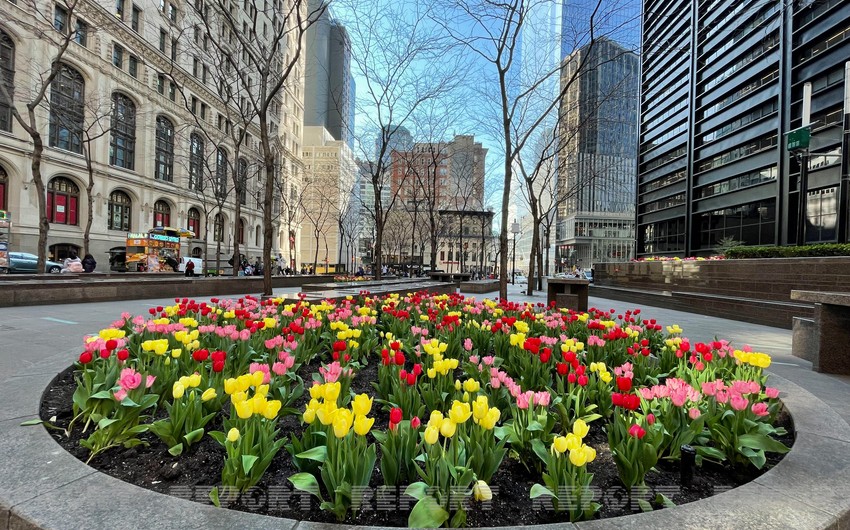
199 265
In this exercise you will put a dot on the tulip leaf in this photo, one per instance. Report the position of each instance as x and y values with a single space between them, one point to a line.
35 421
427 514
106 422
218 436
534 425
644 505
103 394
417 490
248 462
540 449
176 450
306 482
214 497
319 453
194 436
760 441
538 490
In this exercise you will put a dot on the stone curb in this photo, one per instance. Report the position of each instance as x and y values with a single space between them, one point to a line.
44 487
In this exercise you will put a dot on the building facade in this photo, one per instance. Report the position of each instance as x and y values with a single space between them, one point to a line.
597 156
140 99
330 173
714 164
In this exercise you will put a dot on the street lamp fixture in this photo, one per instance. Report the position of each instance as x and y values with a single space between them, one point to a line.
514 230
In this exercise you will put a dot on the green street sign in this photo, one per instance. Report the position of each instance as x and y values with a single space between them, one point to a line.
799 139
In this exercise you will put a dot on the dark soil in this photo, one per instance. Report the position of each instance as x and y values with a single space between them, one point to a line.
193 474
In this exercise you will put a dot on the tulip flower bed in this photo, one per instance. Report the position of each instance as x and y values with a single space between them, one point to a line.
417 410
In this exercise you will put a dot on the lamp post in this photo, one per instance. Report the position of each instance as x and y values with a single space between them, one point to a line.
514 231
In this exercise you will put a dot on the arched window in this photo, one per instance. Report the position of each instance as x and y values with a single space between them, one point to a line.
161 214
194 222
119 211
164 161
122 146
67 100
7 77
243 180
241 231
4 181
63 197
60 251
258 236
221 173
218 228
196 162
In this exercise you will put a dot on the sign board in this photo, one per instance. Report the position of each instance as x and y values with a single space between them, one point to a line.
799 139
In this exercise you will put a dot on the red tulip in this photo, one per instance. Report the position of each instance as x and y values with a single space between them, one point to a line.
617 399
200 355
637 431
86 357
582 380
545 355
562 368
335 356
411 379
417 369
415 422
402 374
339 345
571 379
218 356
624 384
111 344
104 354
399 358
218 366
395 415
123 355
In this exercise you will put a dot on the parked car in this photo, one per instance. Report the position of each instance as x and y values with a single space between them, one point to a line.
24 262
521 279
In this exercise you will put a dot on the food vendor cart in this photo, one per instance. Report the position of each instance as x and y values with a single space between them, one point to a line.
157 250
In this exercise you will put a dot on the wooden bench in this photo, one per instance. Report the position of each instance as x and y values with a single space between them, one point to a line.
568 293
824 339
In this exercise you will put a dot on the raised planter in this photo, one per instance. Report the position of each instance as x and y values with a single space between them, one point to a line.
45 487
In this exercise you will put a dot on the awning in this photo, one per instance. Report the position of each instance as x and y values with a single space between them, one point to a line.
169 231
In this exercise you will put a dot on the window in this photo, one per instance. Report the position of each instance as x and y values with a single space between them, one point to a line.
161 214
122 145
81 35
63 196
243 180
240 232
258 236
173 49
194 222
196 67
164 156
119 9
119 211
822 215
218 228
60 18
194 105
221 173
203 111
172 91
134 66
67 93
196 162
204 74
117 56
7 77
172 12
160 84
4 178
163 38
136 18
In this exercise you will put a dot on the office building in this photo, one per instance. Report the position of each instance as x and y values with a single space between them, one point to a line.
597 156
721 86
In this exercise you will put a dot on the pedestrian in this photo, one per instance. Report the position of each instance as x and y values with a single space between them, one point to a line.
72 263
280 267
190 269
89 263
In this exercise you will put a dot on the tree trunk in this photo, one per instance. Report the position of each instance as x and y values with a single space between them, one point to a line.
89 198
43 222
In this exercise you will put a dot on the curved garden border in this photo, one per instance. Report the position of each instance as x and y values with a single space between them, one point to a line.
42 486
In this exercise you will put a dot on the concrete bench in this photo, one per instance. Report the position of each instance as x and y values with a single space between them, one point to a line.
824 339
479 286
573 293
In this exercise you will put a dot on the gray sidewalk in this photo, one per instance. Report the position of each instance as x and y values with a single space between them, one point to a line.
30 335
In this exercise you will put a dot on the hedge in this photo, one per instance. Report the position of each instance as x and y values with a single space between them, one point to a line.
805 251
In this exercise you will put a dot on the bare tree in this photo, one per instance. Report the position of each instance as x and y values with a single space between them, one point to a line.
393 44
32 93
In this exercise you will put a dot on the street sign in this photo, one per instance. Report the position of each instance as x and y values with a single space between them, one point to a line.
798 139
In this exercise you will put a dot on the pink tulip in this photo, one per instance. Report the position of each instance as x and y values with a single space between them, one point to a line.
129 379
739 402
150 380
771 392
120 394
693 413
760 409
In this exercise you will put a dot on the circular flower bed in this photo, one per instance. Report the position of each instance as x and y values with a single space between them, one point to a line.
430 409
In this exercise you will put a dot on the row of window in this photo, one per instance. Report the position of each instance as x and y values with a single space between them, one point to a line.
660 204
741 92
738 152
663 182
744 31
664 236
761 111
741 181
833 40
770 42
751 224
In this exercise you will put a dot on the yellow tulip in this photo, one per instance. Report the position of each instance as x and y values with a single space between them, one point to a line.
332 391
257 378
342 423
481 491
580 428
589 453
317 391
361 405
448 428
209 394
432 373
606 377
460 412
560 444
480 407
362 424
258 403
327 412
176 352
573 442
431 435
177 390
471 385
262 390
243 382
489 421
457 385
578 458
272 408
238 397
309 416
230 386
194 380
244 409
233 435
